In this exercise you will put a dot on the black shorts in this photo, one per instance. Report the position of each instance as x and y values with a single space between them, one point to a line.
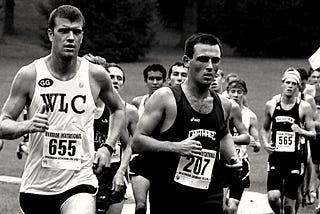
315 149
106 196
236 189
286 179
176 198
50 204
141 164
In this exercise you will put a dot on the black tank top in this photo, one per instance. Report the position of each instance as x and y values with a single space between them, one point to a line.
101 128
211 128
281 131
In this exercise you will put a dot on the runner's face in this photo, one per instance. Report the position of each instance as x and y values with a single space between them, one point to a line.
204 63
314 78
66 37
289 87
116 76
179 75
216 85
236 94
154 81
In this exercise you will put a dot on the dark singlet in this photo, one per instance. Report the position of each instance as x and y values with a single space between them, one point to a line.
211 128
286 141
189 184
101 128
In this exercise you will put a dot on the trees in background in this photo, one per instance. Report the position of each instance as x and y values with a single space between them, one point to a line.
119 30
270 28
267 28
9 28
1 20
123 30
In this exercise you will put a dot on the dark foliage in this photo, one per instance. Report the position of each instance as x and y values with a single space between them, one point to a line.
265 28
119 30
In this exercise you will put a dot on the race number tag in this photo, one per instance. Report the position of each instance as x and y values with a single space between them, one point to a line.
285 141
196 171
62 150
241 152
115 158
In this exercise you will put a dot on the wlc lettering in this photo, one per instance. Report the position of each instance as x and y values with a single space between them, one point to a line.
56 100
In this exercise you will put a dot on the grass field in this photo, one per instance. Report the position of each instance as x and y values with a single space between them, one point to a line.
262 75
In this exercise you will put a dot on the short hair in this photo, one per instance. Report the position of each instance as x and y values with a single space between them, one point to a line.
68 12
179 64
102 61
303 73
203 38
312 70
236 83
154 67
231 75
112 64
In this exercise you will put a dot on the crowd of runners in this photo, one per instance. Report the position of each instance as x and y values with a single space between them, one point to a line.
183 145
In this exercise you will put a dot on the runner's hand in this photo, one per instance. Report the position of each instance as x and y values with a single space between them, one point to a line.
189 147
101 160
254 144
269 148
119 182
39 122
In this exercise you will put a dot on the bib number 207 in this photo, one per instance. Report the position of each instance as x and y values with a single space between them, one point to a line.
196 165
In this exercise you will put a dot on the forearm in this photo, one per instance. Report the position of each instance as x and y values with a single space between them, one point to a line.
143 143
227 148
265 137
125 159
308 134
242 139
11 129
117 121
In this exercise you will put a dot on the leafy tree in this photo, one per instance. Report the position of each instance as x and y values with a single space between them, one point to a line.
2 5
9 28
119 30
266 28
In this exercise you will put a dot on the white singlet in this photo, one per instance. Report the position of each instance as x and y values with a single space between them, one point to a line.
62 157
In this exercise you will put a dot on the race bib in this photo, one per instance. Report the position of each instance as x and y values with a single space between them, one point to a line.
241 152
285 141
196 171
62 150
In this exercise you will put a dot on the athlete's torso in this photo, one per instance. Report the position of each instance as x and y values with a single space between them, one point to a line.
246 115
61 157
211 128
285 140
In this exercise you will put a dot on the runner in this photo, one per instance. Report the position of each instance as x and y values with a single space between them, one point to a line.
60 91
113 180
237 89
154 77
185 128
286 119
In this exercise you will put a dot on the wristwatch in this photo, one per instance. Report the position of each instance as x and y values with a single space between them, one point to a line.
110 148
